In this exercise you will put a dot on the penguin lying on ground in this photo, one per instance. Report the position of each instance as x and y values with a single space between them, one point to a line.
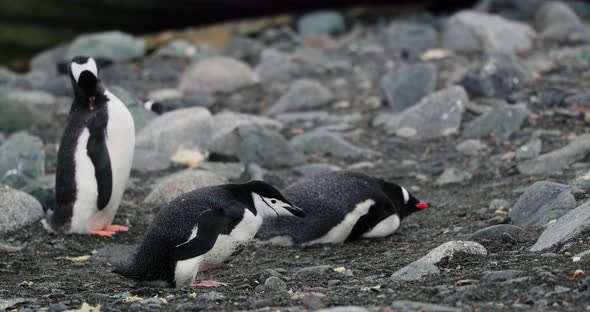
94 157
202 228
341 206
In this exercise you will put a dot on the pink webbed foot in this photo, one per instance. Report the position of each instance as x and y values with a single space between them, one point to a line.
102 233
116 228
208 284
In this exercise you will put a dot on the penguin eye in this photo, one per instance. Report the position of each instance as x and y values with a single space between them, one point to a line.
272 201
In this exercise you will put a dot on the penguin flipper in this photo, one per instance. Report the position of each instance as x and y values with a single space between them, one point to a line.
211 223
98 153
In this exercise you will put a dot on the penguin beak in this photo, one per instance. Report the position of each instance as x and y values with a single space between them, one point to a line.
296 211
422 205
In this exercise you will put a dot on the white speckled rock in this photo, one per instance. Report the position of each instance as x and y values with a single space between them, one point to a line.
17 209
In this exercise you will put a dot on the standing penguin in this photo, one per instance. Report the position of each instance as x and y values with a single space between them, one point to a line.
94 157
200 229
341 206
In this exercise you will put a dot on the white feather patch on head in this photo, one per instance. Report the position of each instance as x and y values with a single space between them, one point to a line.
406 195
77 69
148 105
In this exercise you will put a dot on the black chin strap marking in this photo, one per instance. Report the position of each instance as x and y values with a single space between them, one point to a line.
269 205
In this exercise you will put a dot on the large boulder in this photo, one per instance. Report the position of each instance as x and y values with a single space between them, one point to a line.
112 46
17 209
572 225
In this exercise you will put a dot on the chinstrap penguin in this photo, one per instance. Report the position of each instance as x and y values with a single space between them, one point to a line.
341 206
94 156
200 229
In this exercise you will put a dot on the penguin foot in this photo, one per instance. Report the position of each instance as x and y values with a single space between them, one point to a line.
116 228
102 233
208 284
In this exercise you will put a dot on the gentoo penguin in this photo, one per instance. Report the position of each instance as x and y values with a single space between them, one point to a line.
341 206
200 229
94 156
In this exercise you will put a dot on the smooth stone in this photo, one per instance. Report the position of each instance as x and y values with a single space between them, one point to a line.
501 122
217 74
16 115
471 31
39 99
148 160
471 147
112 46
321 22
253 143
406 305
438 114
211 296
568 227
498 203
495 232
498 75
322 142
274 283
427 264
409 37
141 116
231 171
452 176
189 128
320 117
407 85
315 169
557 21
58 307
171 187
530 150
23 154
225 122
303 94
319 270
177 49
171 104
542 202
557 160
275 66
17 209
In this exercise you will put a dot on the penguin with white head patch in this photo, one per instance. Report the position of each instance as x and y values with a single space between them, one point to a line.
202 228
94 157
341 206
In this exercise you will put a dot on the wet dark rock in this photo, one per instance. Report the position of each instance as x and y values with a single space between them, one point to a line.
405 86
501 122
570 226
258 144
499 75
323 22
542 202
495 232
557 160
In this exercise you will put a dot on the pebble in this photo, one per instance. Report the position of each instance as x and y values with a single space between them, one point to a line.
501 122
498 76
556 21
406 305
18 209
319 270
495 232
453 176
58 307
471 147
22 154
211 296
557 160
274 283
530 150
409 37
344 309
501 276
542 202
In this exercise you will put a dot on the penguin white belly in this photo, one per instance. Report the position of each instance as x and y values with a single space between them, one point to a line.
340 232
384 228
86 187
121 144
224 247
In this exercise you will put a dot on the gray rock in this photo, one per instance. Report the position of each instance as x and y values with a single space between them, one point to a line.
344 309
498 75
43 189
319 270
274 283
320 117
302 94
141 116
230 171
498 204
557 160
570 226
322 22
259 145
438 114
542 202
471 147
211 296
501 122
226 122
405 305
453 175
412 38
427 264
204 51
217 74
495 232
181 182
322 142
530 150
405 86
58 307
523 10
470 31
17 209
16 115
315 169
501 276
47 60
556 21
112 46
22 154
177 49
148 160
275 66
189 128
11 79
39 99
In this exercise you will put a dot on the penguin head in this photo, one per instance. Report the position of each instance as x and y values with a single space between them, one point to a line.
269 202
405 200
84 76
